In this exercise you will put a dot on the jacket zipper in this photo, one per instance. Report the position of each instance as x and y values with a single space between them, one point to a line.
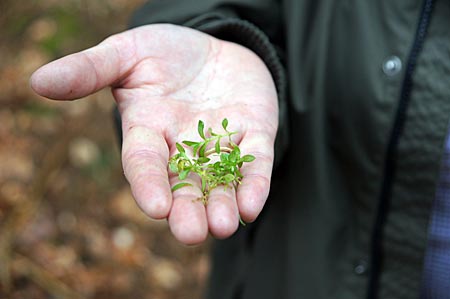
376 257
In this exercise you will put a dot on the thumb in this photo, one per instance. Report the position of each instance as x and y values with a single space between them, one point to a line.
80 74
108 63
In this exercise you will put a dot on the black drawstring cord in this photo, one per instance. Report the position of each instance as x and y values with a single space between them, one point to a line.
389 165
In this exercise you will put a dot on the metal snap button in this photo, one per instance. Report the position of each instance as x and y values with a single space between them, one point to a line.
392 66
360 268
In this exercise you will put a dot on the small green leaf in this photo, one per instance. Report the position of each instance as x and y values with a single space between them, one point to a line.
224 157
225 124
237 150
195 148
190 143
180 185
248 158
201 151
210 132
229 178
217 146
234 155
201 128
180 148
181 165
203 160
173 166
182 175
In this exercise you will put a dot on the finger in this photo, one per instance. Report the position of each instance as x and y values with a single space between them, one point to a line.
144 157
79 74
187 219
86 72
222 212
254 189
141 53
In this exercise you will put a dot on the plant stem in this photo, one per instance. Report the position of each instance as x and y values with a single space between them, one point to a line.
223 149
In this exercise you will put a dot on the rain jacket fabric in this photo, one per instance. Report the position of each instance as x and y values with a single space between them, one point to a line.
364 96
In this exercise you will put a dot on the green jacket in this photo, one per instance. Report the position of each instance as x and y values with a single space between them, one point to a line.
365 104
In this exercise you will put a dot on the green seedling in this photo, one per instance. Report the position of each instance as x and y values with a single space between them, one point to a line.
215 164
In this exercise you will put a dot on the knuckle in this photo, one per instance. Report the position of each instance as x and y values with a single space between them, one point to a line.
135 162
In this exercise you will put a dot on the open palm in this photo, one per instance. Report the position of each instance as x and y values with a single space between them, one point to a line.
164 79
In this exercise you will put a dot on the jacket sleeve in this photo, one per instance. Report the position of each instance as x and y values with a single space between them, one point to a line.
255 24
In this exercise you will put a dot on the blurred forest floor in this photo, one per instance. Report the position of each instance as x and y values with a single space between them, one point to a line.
69 227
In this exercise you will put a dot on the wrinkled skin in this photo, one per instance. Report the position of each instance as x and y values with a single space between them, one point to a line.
165 78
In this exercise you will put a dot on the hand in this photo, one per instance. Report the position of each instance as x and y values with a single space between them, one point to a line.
164 79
